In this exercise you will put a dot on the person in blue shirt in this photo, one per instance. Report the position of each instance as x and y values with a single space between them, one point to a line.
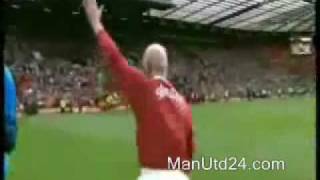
10 117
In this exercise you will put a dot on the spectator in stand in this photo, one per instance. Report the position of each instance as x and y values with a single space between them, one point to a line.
226 95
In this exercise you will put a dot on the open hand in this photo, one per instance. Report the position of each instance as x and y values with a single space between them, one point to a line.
94 14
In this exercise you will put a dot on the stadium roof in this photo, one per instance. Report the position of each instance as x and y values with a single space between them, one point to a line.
254 15
251 15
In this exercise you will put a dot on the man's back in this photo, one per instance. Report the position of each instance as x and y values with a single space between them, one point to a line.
164 124
164 120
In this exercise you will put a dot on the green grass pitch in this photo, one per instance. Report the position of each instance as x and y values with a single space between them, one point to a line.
102 146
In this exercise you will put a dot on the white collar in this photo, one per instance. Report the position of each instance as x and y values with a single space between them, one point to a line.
159 78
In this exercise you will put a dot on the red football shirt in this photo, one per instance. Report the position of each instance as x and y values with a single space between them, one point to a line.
163 117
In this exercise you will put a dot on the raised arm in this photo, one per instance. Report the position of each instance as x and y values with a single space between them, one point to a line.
126 75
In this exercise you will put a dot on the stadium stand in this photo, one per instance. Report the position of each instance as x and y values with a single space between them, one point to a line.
201 71
211 56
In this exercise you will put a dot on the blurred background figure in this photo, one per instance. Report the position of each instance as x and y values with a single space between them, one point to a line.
10 117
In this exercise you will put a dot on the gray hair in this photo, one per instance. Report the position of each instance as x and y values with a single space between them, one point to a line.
155 60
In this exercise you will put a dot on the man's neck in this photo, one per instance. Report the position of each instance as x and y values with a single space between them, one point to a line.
158 77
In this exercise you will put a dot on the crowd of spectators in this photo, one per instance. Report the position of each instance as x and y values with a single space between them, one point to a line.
206 78
198 76
46 82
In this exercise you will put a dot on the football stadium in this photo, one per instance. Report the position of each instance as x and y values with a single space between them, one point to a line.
246 68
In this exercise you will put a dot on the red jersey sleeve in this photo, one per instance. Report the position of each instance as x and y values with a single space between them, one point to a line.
127 77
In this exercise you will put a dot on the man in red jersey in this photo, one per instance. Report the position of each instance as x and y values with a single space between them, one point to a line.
164 119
